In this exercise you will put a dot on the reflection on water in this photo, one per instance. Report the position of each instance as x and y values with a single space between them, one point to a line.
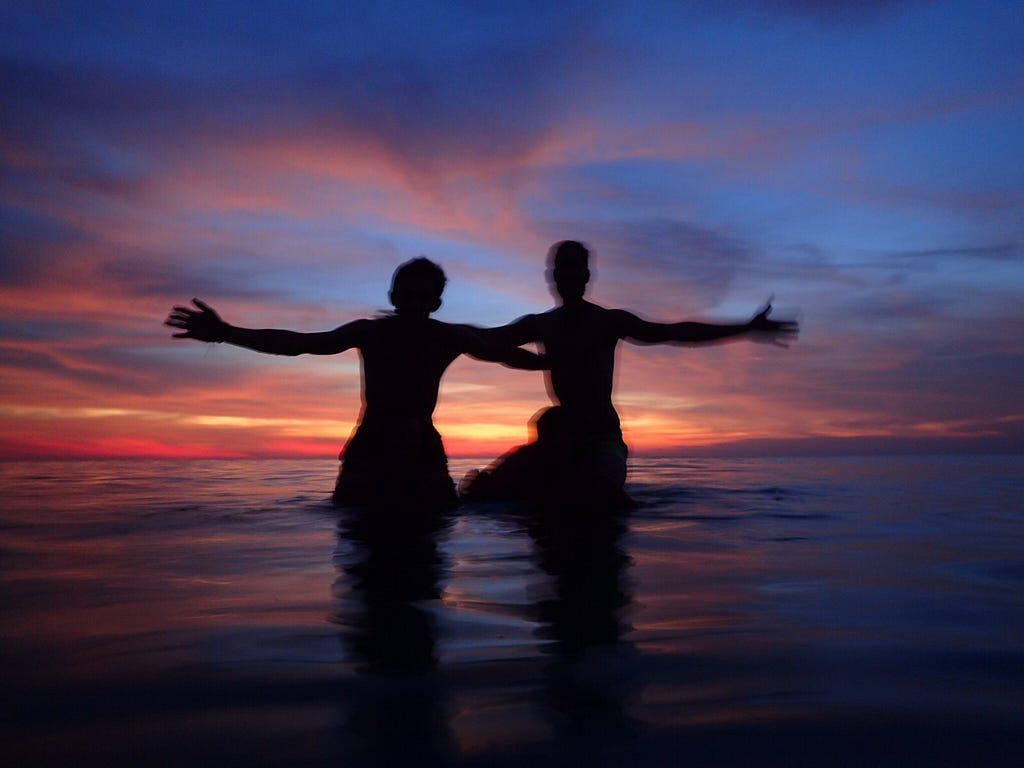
390 568
389 590
588 685
859 611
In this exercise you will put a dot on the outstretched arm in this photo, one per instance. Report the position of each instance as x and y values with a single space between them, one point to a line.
515 334
483 346
204 324
758 328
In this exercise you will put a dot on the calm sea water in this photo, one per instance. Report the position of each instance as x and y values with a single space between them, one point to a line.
853 611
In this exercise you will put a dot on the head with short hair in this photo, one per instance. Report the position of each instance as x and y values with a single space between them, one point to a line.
416 287
569 269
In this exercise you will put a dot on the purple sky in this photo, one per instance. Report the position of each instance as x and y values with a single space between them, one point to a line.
862 162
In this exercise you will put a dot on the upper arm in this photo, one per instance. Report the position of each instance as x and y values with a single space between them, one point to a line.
515 334
341 338
629 326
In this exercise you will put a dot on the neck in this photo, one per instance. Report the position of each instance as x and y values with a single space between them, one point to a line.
572 301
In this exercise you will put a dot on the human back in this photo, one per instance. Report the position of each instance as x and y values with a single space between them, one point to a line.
580 341
403 363
396 453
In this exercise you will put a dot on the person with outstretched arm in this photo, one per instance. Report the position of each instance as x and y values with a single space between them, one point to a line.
578 339
395 455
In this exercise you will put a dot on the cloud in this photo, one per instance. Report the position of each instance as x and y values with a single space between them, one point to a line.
375 82
664 269
281 160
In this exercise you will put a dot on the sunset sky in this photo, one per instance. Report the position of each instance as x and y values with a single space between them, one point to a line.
862 162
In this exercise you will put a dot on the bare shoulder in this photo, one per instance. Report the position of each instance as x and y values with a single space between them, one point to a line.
363 323
452 330
530 321
355 328
616 322
444 330
355 333
457 337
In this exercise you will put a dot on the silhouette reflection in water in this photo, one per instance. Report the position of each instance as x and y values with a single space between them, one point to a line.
588 686
391 568
414 710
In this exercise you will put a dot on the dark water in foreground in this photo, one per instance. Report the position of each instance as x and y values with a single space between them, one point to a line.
763 612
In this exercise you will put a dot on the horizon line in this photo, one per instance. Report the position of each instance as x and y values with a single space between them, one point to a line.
804 447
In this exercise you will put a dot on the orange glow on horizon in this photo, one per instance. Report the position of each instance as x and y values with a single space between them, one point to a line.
226 403
256 438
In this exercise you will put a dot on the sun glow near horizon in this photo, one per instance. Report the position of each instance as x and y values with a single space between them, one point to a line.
884 209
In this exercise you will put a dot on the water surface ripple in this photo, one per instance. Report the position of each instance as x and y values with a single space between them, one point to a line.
834 611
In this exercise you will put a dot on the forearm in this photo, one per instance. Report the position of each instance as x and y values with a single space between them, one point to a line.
524 360
760 327
270 341
697 333
685 332
204 324
491 344
513 357
515 334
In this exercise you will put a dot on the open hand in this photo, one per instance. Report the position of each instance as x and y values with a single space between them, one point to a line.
202 324
778 332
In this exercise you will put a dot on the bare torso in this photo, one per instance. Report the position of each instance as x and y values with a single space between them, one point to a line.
403 362
580 342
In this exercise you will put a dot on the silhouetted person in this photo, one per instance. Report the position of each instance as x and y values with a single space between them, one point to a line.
395 455
534 471
579 338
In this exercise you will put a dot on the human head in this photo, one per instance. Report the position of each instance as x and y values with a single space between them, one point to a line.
569 269
416 287
551 433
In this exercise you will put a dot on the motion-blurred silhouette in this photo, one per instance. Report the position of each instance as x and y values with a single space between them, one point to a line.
395 456
534 471
391 569
589 689
579 338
